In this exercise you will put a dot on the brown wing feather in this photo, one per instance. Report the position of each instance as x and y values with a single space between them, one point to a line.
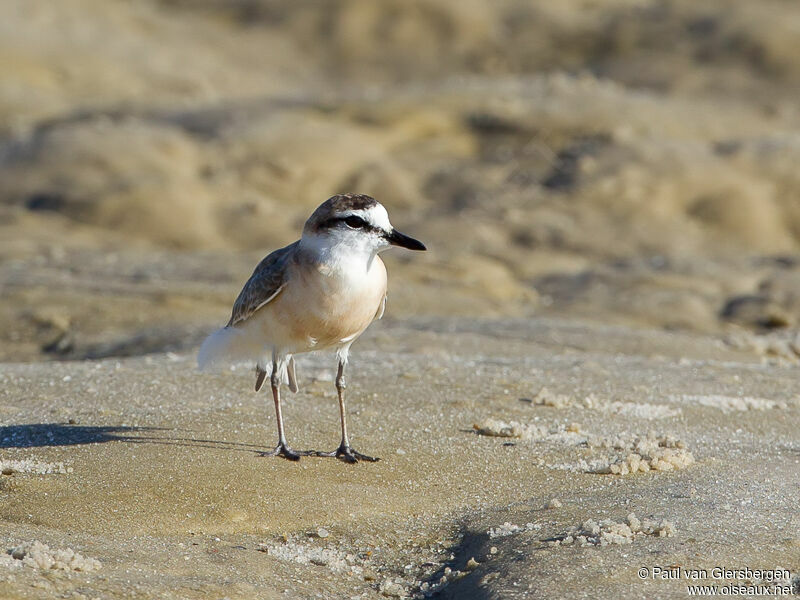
263 285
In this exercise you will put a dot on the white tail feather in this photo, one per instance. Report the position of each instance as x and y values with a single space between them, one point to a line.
228 346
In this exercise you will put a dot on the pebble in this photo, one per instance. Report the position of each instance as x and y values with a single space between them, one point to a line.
392 589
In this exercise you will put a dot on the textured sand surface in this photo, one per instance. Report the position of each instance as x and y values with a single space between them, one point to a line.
164 485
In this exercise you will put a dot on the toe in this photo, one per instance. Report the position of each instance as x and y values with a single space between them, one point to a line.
348 458
360 456
290 454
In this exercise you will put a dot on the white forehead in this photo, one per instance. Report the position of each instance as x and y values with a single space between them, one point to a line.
375 215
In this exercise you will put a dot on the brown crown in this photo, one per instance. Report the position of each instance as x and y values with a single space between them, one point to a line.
335 205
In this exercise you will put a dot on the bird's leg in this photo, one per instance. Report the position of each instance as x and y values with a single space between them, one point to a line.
292 376
260 376
344 451
282 449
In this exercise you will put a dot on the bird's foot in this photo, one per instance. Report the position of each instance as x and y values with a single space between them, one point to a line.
286 452
347 454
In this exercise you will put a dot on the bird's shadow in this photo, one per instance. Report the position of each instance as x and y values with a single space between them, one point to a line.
39 435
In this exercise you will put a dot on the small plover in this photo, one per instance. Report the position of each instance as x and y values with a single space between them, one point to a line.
320 292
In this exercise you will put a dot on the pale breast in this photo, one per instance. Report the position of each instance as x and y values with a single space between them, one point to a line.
321 308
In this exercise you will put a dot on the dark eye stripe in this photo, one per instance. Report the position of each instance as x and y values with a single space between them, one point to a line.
357 223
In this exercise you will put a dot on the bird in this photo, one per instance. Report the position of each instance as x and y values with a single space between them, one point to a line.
320 292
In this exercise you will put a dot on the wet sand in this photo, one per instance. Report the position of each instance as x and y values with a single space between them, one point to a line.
164 484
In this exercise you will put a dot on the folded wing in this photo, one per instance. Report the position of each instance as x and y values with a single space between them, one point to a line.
264 284
233 344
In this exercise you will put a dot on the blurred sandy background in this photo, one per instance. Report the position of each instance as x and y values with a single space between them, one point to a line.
626 161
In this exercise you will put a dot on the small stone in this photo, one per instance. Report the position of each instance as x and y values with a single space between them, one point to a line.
322 532
493 550
472 564
392 589
553 503
634 523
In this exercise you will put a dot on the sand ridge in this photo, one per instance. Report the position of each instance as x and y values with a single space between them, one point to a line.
628 162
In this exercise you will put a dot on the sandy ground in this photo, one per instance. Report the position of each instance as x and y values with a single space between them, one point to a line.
609 194
162 482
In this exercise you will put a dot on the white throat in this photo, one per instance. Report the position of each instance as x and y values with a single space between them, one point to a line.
352 253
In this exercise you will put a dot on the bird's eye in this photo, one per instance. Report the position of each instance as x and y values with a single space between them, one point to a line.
355 222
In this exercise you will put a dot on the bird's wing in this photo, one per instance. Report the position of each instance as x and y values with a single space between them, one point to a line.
266 282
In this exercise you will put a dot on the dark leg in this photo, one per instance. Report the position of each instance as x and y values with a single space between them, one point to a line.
344 451
282 449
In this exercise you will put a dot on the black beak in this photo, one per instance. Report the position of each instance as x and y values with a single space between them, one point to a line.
400 239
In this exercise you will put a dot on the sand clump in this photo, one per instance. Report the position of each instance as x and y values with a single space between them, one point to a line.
508 528
334 559
649 453
637 410
730 403
662 459
32 466
506 429
547 398
641 410
568 434
40 556
638 443
607 531
645 453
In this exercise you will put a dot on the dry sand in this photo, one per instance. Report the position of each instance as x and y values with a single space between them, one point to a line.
609 194
632 161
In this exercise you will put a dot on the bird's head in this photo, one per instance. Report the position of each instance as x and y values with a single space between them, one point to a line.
357 222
